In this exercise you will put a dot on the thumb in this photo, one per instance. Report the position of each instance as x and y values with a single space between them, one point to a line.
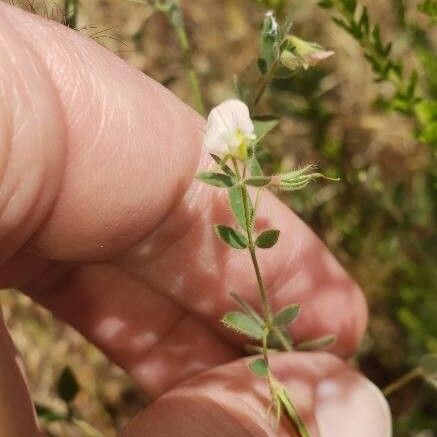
93 153
332 399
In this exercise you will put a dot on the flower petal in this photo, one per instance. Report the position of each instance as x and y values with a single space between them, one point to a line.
225 121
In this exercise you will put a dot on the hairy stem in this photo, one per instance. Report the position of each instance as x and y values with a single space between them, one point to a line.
263 295
70 11
402 381
292 413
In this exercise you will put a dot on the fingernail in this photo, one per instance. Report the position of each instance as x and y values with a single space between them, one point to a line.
351 405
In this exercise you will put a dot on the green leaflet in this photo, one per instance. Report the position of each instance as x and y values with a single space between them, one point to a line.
259 367
217 179
286 315
243 324
267 239
231 236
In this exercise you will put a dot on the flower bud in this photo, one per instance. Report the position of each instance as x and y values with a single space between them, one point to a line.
309 53
298 179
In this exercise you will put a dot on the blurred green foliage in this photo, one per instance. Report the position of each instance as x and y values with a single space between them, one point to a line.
387 223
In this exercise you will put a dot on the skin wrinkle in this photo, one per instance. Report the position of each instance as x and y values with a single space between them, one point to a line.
115 151
43 171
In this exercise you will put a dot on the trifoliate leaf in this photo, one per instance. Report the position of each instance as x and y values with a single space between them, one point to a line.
286 315
267 239
231 236
259 367
258 181
318 343
243 324
217 179
68 386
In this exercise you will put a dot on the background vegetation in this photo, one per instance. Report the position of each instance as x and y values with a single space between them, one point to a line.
368 115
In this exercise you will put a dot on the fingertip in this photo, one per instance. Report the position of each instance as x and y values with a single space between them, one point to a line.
368 413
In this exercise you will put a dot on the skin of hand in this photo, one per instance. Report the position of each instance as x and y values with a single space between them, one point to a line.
102 223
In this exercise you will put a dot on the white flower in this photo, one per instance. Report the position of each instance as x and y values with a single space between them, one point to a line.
229 130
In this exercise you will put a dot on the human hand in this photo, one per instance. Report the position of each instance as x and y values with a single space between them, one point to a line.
102 223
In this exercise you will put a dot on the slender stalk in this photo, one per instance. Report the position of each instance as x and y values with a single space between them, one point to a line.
282 339
172 9
266 359
71 8
296 420
401 382
192 75
251 246
263 84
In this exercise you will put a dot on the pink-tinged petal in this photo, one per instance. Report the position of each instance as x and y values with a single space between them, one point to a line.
317 56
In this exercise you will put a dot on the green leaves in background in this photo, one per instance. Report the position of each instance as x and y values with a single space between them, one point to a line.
47 414
259 367
243 324
429 7
428 368
267 239
231 236
426 113
263 125
216 179
286 315
68 386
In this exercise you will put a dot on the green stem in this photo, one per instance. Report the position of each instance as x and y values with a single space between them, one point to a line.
70 12
296 420
282 339
192 75
403 380
251 246
263 84
172 9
